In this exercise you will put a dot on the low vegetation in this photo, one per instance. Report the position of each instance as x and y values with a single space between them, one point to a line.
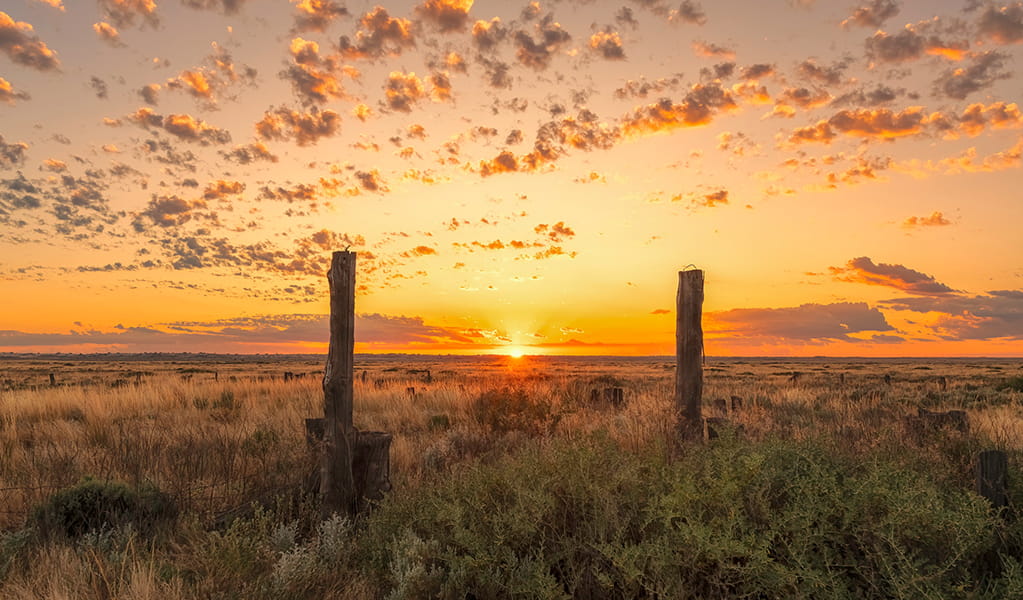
517 479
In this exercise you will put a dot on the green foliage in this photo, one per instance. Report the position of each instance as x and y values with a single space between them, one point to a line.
1014 384
508 409
774 519
94 505
439 422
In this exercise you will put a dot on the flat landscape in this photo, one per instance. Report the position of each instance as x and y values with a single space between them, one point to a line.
511 477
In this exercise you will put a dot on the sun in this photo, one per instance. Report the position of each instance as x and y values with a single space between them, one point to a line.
516 352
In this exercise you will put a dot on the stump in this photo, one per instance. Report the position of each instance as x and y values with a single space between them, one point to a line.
371 462
991 469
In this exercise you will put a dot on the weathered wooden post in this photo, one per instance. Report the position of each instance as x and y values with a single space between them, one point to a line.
992 483
337 486
689 353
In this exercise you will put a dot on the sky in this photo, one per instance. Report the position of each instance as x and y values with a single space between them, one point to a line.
515 177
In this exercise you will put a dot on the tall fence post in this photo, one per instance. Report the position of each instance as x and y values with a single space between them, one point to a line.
337 485
689 353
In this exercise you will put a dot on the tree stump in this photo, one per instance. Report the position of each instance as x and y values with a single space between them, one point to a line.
992 482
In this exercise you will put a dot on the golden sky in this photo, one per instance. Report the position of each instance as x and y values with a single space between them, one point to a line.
515 176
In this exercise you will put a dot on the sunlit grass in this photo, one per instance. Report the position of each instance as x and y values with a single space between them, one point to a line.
216 439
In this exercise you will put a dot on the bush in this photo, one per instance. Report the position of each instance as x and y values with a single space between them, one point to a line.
735 519
508 409
93 505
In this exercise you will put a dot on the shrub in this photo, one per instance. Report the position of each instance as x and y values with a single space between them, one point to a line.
508 409
1014 384
735 519
93 505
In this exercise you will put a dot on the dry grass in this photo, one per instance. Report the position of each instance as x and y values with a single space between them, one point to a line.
216 437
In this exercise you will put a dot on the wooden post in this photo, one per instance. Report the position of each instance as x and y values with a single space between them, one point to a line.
992 466
53 380
337 487
689 354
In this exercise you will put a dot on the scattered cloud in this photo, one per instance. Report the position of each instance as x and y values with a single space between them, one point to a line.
124 13
936 219
447 15
379 35
182 126
872 14
1002 24
807 323
8 94
304 128
316 15
863 270
12 154
108 33
23 47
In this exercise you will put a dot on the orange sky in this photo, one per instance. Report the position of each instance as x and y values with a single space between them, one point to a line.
516 177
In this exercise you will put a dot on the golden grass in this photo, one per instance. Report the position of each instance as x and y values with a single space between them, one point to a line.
216 437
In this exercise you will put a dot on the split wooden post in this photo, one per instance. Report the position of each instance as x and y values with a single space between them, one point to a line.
337 486
689 353
992 467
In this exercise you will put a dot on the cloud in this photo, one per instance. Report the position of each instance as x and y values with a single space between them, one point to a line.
108 33
968 162
486 35
440 87
538 53
448 15
123 13
305 128
246 334
21 46
556 232
913 42
380 35
872 14
643 88
316 15
403 90
150 93
168 211
937 219
830 75
688 12
12 154
807 323
709 50
975 118
985 69
250 153
182 126
699 107
1004 24
757 71
228 7
220 189
863 270
608 44
879 123
8 94
58 4
997 314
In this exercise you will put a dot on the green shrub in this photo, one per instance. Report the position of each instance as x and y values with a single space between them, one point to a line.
734 519
1014 384
508 409
93 505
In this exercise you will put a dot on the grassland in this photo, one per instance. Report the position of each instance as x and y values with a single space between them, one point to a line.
512 480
